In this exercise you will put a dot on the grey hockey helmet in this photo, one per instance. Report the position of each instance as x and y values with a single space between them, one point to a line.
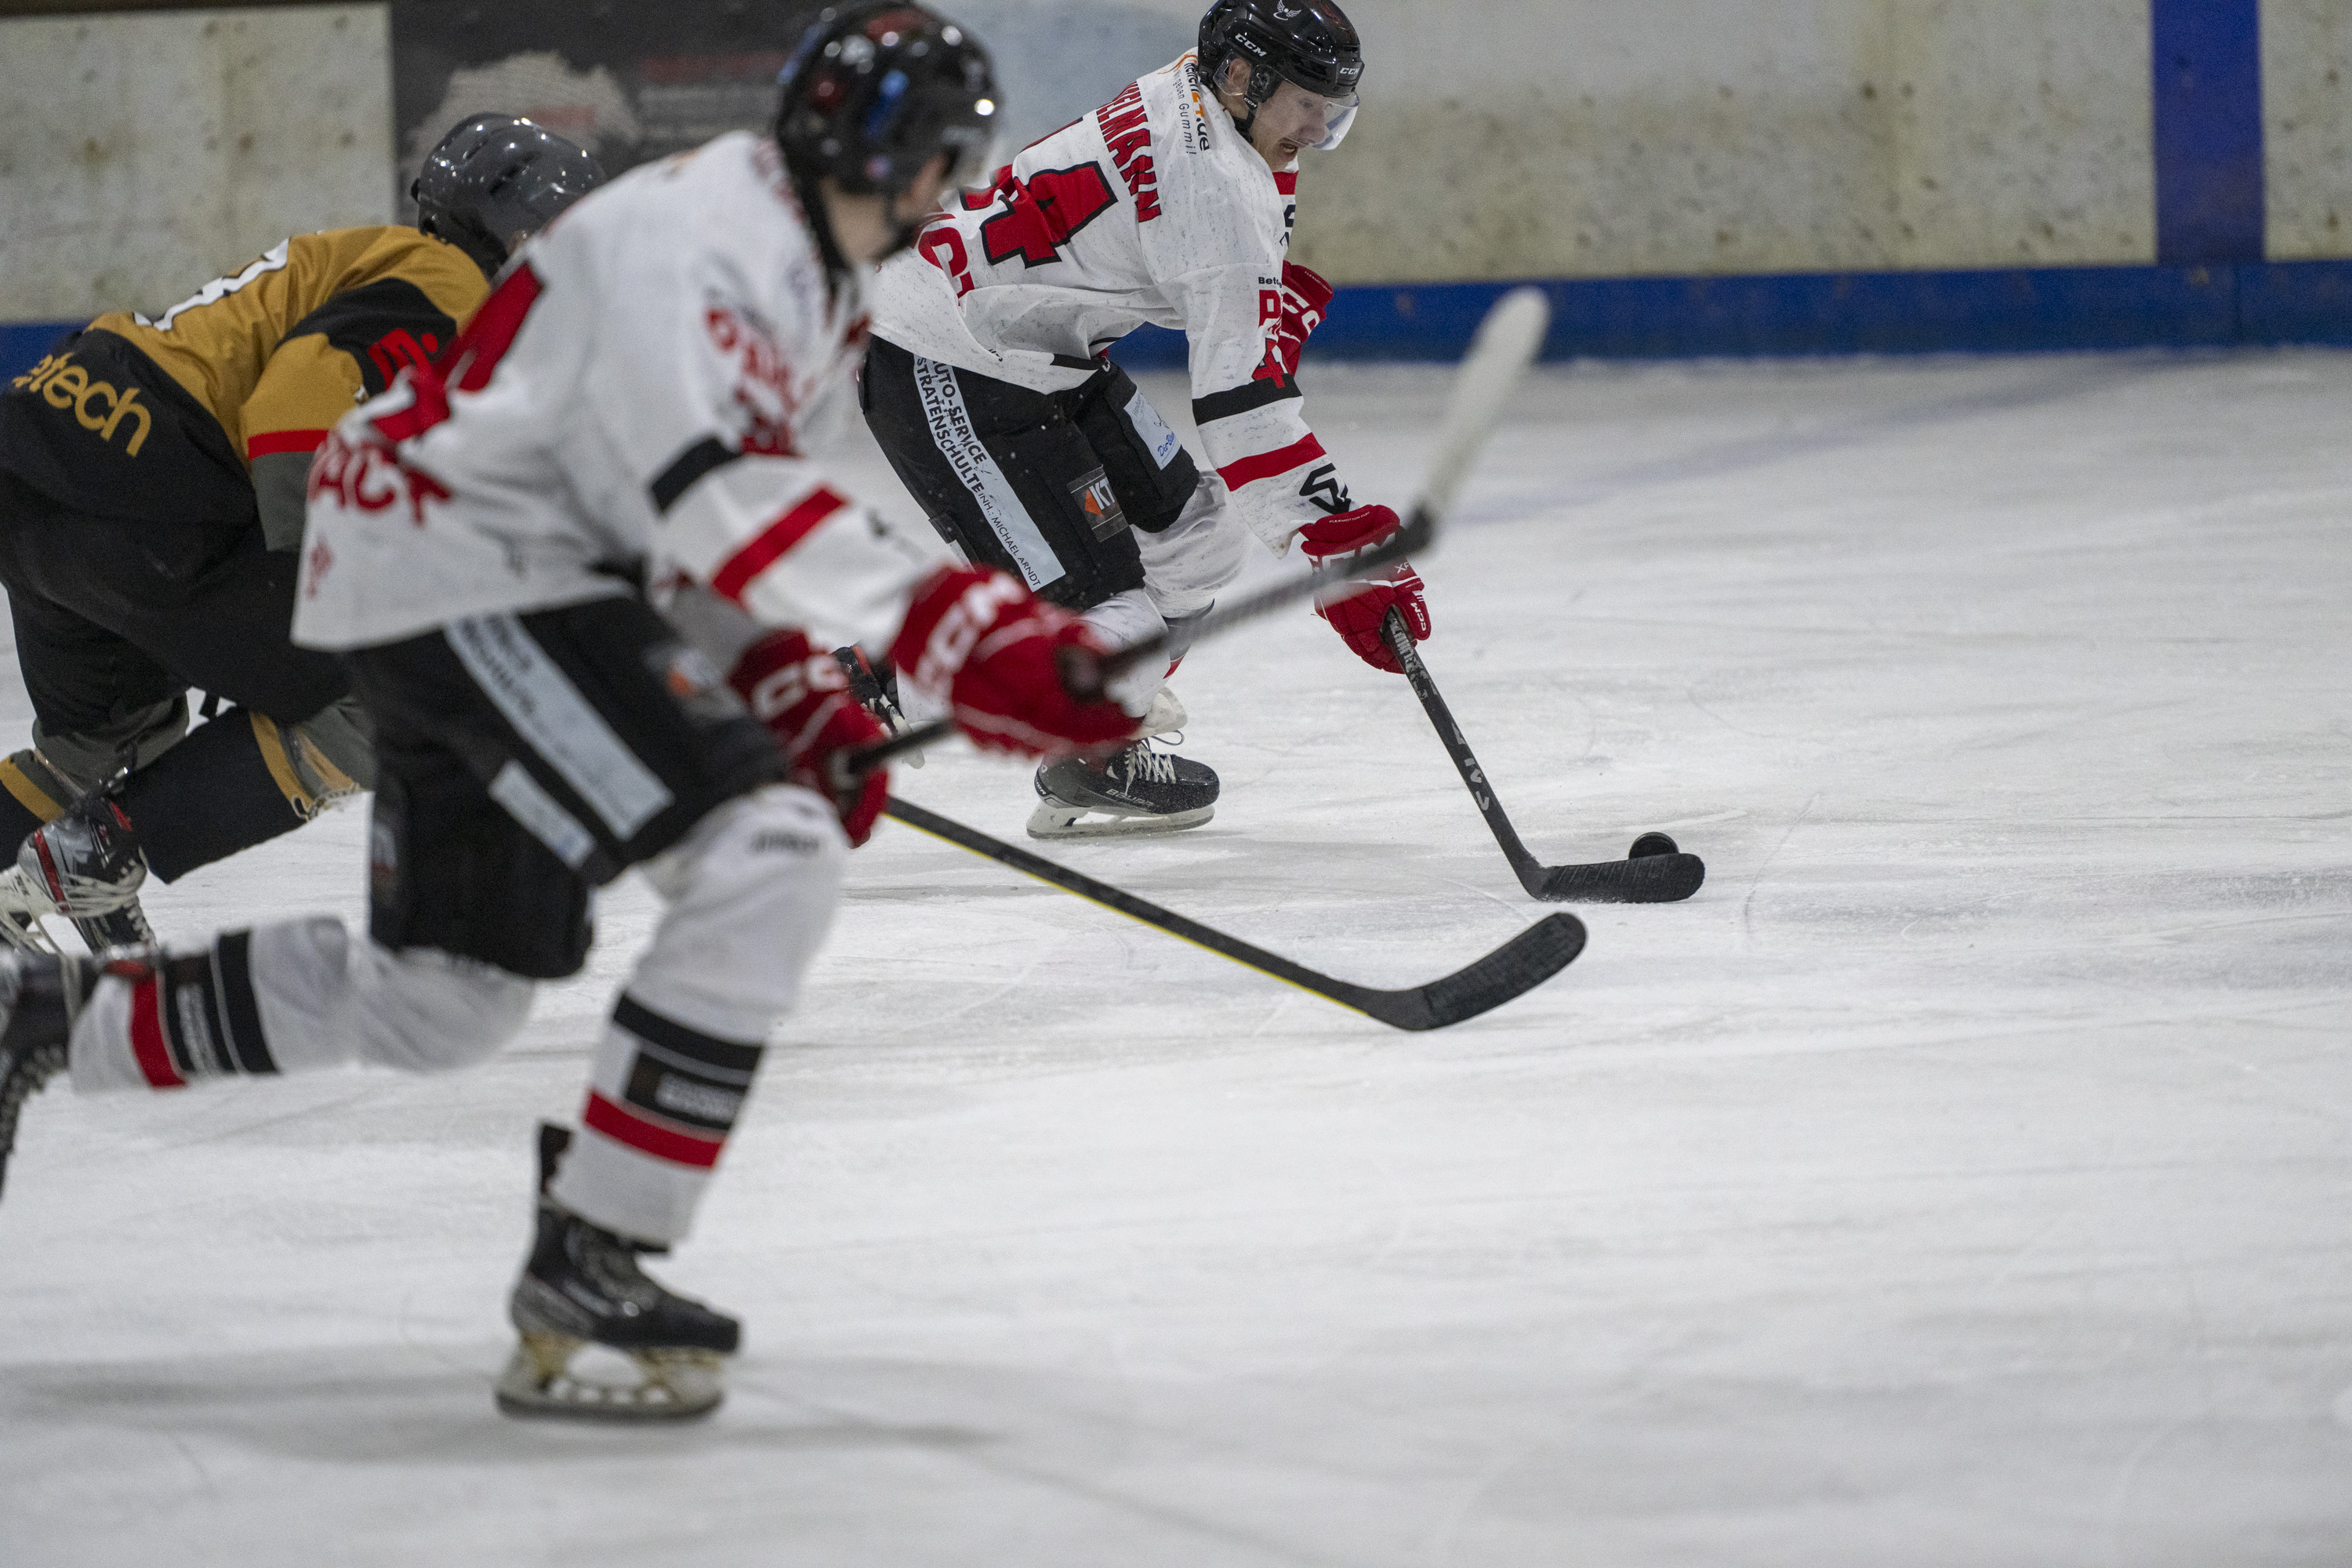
1308 43
497 178
876 90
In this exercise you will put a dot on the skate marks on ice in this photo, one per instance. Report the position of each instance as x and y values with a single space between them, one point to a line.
422 1404
2029 390
325 1456
1990 1208
1615 432
807 1445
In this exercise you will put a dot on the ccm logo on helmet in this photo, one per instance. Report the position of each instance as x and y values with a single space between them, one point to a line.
97 405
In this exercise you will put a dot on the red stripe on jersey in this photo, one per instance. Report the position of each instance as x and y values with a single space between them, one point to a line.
736 573
147 1038
626 1126
478 350
1266 465
276 441
1287 184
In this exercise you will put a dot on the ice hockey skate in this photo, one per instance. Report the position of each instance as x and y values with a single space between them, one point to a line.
582 1288
86 866
1140 790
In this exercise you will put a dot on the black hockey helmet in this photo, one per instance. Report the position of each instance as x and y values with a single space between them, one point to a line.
1310 43
497 178
874 91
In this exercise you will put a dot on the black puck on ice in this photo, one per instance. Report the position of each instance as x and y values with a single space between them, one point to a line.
1651 844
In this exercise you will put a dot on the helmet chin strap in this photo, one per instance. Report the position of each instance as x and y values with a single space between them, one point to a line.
1263 84
820 222
903 235
902 238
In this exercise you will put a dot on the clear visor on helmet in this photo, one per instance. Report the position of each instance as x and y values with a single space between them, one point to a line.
1308 118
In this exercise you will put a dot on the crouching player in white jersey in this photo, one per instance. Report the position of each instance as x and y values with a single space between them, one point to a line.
988 387
624 408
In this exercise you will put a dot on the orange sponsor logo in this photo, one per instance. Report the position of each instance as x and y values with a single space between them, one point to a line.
97 406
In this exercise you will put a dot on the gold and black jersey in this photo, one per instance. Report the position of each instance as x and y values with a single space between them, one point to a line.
170 417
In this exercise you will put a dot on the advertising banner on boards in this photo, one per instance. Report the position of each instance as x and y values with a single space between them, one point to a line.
630 83
634 82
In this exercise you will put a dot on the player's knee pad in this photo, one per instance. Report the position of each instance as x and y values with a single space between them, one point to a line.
422 1010
1186 563
751 892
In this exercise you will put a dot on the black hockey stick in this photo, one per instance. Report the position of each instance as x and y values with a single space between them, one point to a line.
1519 966
1657 872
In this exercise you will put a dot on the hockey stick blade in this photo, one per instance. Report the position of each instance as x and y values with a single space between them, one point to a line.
1651 879
1512 970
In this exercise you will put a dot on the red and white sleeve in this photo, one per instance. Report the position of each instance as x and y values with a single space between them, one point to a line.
779 540
740 510
1247 404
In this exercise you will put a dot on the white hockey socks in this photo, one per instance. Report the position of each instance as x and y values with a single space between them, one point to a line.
751 893
1125 619
296 996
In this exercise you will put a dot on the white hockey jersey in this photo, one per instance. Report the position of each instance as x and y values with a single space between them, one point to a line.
631 402
1152 208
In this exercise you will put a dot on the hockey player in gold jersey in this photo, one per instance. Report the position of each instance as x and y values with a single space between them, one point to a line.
153 474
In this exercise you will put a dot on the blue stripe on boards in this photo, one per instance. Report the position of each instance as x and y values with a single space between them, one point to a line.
2037 310
2208 79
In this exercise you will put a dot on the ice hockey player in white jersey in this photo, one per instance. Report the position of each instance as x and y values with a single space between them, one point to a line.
988 386
626 409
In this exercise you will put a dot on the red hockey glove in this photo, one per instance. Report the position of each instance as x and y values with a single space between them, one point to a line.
994 654
802 694
1304 296
1356 608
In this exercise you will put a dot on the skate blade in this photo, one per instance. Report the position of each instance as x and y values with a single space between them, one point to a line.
1052 819
673 1384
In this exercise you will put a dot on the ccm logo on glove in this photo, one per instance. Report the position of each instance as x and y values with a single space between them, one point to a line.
995 653
802 694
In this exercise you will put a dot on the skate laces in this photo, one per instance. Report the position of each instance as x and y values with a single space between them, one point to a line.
1149 766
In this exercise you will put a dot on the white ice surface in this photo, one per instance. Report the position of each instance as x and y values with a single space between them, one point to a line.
1964 1177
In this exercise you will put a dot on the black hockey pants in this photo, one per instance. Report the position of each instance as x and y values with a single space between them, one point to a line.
1043 485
